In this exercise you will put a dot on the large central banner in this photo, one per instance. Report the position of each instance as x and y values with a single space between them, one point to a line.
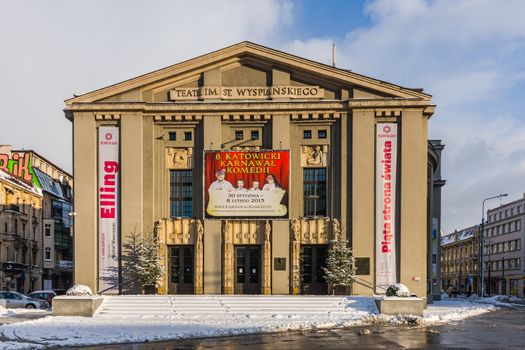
386 165
246 184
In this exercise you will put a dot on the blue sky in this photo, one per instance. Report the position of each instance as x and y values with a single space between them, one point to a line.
469 54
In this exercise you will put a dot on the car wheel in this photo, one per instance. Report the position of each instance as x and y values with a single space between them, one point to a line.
30 306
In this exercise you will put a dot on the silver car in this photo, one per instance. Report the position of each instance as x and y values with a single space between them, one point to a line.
19 300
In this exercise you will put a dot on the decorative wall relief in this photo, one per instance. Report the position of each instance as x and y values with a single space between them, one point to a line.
179 158
267 264
314 156
181 232
199 258
295 241
227 261
308 231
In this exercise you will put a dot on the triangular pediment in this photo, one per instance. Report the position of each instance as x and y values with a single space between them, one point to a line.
236 71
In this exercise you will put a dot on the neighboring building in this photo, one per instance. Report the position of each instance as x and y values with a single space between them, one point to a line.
504 255
57 236
245 163
460 260
20 224
435 182
53 232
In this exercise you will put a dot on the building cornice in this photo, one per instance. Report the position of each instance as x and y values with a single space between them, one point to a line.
394 105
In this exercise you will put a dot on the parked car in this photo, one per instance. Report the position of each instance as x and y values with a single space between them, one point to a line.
60 291
19 300
46 295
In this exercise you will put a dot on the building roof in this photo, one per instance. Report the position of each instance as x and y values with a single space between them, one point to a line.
244 51
459 236
49 184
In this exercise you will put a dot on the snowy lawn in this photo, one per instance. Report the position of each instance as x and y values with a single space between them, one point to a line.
68 331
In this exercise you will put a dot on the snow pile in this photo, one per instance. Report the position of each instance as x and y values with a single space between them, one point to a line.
453 310
79 290
398 290
499 300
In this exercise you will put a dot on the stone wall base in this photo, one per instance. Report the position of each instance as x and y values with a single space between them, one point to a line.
76 305
401 306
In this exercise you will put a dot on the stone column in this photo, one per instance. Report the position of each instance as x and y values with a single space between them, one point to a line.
413 233
131 171
280 230
212 228
363 180
85 201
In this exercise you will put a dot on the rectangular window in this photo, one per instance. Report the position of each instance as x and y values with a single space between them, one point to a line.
47 230
314 183
187 136
511 211
239 135
307 134
321 134
47 254
181 193
172 136
255 134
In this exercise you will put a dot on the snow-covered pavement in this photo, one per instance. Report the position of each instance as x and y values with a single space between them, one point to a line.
239 315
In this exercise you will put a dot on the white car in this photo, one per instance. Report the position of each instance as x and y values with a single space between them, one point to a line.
19 300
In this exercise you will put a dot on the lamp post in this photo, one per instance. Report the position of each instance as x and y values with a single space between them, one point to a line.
482 242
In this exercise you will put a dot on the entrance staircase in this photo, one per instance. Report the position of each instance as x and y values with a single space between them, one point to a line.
216 306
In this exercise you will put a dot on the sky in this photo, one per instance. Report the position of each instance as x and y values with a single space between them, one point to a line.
468 54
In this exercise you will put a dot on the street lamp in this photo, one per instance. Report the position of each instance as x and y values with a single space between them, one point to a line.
482 242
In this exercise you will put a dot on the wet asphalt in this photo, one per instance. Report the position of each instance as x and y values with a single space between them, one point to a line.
500 329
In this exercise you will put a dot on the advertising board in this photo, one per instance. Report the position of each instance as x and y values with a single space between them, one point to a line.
246 184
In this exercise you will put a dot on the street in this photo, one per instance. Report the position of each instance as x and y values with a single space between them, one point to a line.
503 328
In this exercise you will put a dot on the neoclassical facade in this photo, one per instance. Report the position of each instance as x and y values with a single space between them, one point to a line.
357 167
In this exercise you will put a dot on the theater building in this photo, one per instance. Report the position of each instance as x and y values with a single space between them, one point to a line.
245 163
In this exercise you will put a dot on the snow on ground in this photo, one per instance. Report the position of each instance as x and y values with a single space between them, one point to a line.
69 331
18 312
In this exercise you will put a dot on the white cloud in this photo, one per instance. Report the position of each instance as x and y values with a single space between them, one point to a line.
468 55
52 49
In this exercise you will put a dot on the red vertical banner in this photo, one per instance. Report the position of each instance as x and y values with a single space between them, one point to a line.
386 188
246 184
108 206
